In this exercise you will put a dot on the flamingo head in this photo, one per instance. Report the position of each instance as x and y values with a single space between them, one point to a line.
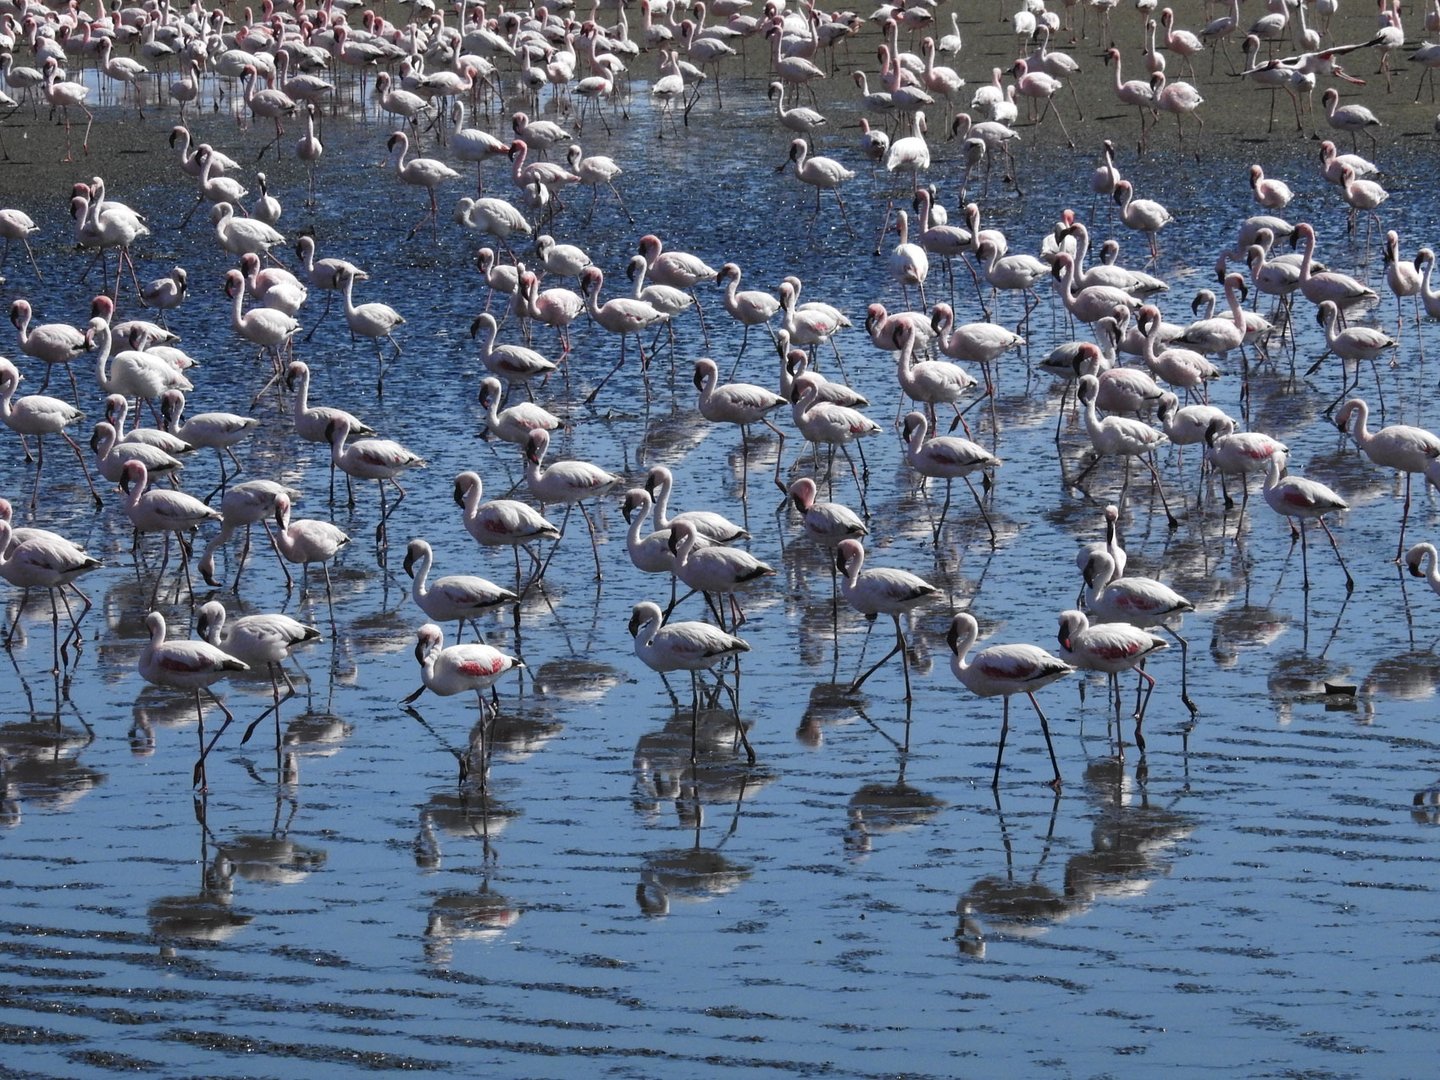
705 372
802 493
636 499
641 615
914 422
102 307
294 373
680 531
414 551
536 445
132 473
428 637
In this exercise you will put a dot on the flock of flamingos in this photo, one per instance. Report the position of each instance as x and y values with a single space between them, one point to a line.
648 77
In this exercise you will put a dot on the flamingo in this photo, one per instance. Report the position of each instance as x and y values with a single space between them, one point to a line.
239 235
112 452
221 431
623 316
419 172
1036 85
264 640
649 552
912 153
1143 215
18 225
826 523
1112 647
65 95
1179 99
1301 498
501 522
39 559
473 145
714 570
749 308
309 149
822 173
660 484
494 217
372 320
834 425
460 598
1141 602
1239 453
1422 561
1270 193
188 665
245 504
979 342
928 382
131 373
160 510
686 646
1110 545
594 170
1351 118
1120 436
381 460
908 263
557 308
515 364
1345 290
1135 93
947 458
167 293
305 541
742 404
512 425
460 669
879 591
311 422
269 328
1398 446
1002 671
39 415
567 483
1354 343
324 274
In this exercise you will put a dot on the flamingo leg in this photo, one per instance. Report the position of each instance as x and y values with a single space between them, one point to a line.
1349 581
1045 728
904 660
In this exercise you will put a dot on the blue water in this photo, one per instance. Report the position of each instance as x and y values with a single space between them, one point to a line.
1253 897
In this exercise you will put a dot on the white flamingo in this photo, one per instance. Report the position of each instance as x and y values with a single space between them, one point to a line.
879 591
1002 671
188 665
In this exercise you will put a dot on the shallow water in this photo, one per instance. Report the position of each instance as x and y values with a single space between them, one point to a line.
1251 896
